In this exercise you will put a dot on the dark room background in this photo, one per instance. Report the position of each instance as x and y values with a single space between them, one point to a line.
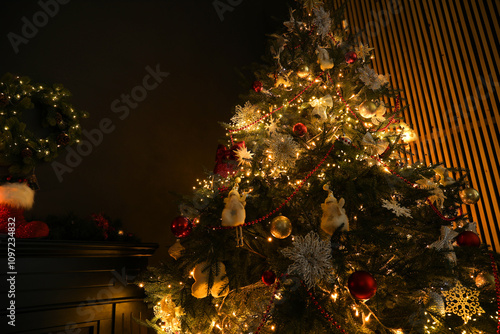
100 50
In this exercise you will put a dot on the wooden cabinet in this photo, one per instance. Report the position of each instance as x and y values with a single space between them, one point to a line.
73 287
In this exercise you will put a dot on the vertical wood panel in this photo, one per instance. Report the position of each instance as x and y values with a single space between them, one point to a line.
444 54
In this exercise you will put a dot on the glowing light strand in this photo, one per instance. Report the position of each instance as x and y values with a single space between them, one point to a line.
289 198
325 314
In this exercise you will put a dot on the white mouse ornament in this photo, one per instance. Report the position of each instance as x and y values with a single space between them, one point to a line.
333 214
234 212
220 288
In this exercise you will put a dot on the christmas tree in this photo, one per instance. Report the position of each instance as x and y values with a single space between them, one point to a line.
315 219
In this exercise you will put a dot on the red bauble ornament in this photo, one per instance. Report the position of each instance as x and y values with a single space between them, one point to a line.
468 239
257 86
268 277
181 227
350 57
299 129
362 285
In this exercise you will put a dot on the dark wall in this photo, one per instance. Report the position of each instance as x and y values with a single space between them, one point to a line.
100 50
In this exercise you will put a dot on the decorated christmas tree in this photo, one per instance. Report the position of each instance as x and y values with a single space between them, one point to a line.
316 219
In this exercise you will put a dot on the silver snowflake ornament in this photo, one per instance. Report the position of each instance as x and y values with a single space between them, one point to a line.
398 210
282 150
311 258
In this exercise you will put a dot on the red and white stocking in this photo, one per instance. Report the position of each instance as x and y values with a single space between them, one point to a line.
14 199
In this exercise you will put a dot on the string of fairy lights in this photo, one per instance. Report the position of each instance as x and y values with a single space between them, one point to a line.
301 183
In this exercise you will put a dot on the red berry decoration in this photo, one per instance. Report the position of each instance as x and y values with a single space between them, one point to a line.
362 285
299 129
181 227
257 86
350 57
468 239
268 277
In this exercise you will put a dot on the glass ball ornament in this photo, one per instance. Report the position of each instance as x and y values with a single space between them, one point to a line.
362 285
367 109
281 227
350 57
299 129
181 227
268 277
468 239
303 71
469 196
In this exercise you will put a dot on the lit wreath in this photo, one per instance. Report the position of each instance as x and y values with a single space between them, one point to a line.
21 149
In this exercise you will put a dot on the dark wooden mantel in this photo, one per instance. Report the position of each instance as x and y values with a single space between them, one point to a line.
74 287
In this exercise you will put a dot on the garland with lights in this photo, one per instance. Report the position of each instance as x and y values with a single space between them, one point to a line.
21 149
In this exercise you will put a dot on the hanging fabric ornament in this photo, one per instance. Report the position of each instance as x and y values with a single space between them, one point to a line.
324 60
281 227
176 250
469 196
201 274
367 109
334 214
320 106
234 213
374 147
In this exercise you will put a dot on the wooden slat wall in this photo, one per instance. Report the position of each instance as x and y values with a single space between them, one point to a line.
444 54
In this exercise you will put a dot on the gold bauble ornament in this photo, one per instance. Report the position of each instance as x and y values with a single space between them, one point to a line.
367 109
303 71
469 196
281 227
